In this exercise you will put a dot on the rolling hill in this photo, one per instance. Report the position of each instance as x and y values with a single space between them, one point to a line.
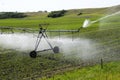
100 40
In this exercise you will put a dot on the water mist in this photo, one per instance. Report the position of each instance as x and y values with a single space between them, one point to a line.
105 17
79 48
87 22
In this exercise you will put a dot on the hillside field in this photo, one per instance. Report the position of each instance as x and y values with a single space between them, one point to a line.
103 35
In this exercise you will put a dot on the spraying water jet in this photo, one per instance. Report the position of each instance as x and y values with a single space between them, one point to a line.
87 22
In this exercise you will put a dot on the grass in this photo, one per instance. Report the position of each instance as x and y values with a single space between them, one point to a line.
71 21
18 65
110 71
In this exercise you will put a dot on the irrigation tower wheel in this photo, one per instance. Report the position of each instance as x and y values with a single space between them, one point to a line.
33 54
56 49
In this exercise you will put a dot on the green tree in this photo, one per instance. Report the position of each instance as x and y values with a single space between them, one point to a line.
55 14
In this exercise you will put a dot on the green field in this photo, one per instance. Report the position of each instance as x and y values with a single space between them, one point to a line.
110 71
17 65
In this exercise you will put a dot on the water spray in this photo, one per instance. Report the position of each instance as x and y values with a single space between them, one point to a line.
105 17
87 22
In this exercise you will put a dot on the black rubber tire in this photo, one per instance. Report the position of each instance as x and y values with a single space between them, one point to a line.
33 54
56 49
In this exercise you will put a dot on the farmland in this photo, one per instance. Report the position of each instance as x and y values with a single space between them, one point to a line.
110 72
105 35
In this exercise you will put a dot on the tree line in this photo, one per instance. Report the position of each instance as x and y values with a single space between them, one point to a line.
55 14
4 15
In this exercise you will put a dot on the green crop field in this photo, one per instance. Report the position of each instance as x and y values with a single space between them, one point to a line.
110 71
17 65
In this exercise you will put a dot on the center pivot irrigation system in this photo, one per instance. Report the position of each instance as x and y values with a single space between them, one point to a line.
42 34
